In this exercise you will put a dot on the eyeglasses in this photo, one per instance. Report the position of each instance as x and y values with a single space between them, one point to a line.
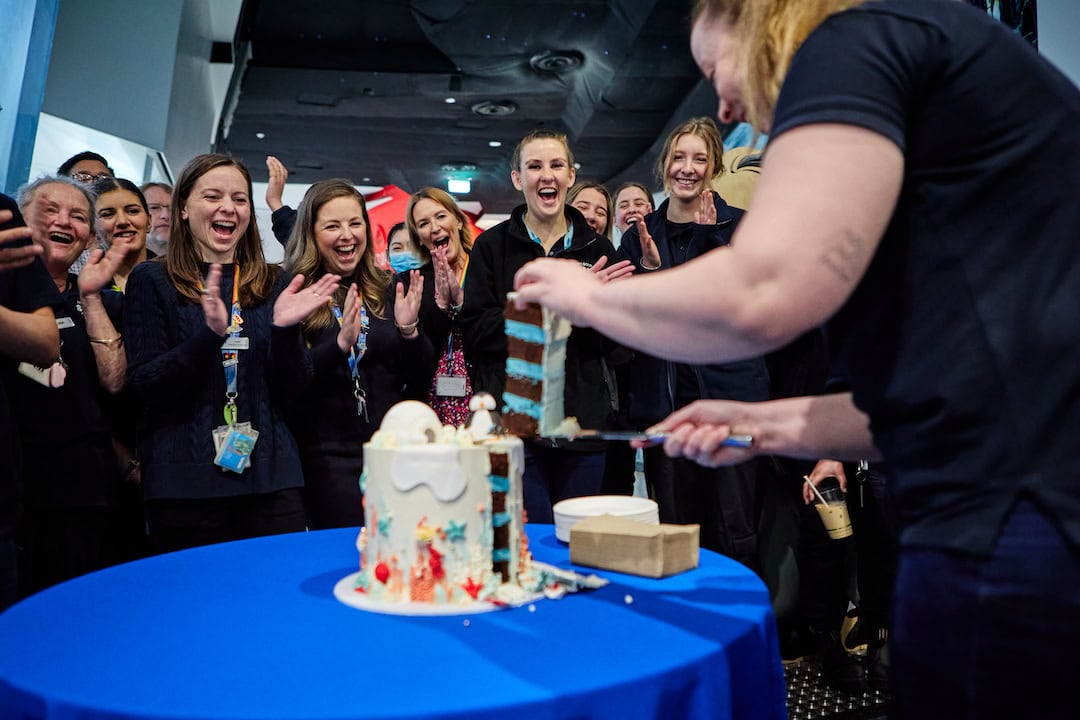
156 208
88 178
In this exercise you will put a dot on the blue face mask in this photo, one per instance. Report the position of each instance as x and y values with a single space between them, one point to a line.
404 262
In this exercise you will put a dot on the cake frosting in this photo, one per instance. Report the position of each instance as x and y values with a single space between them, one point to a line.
535 370
444 519
443 512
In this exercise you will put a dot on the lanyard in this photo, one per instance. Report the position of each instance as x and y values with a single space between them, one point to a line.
450 335
230 358
356 352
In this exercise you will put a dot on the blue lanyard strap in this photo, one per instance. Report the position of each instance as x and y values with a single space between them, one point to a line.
230 358
356 352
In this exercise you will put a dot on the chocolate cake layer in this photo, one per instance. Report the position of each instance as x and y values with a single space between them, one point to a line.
525 388
520 425
500 464
531 314
527 351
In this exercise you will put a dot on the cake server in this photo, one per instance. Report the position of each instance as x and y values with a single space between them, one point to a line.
742 441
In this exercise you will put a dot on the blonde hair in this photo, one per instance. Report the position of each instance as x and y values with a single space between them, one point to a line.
703 128
182 256
302 255
771 32
437 195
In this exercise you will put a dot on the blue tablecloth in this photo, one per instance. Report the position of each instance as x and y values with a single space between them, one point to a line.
251 629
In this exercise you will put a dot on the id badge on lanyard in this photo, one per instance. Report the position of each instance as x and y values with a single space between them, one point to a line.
448 384
233 442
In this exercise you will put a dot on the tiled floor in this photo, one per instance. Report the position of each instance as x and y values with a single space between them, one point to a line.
808 698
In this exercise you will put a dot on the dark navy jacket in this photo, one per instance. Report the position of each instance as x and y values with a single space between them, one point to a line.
652 380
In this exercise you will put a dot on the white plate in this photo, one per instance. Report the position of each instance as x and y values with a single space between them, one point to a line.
569 512
345 591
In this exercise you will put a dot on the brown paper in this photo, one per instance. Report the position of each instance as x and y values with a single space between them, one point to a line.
634 547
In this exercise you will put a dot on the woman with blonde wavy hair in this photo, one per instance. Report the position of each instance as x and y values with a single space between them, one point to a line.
439 227
902 134
351 356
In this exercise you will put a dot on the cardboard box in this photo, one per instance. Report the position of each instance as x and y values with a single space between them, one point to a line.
634 547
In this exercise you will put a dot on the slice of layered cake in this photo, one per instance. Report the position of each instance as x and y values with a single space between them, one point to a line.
535 370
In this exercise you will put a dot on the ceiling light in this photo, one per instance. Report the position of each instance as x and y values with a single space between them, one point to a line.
494 143
458 187
577 166
556 61
260 135
450 101
494 108
459 167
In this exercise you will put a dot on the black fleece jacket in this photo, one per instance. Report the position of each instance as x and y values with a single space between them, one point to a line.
497 254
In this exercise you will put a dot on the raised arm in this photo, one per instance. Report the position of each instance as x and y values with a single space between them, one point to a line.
822 204
105 340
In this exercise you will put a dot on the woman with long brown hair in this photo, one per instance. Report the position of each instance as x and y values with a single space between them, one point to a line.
219 462
353 356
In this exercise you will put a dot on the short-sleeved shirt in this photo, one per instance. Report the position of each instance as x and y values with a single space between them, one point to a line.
23 290
962 340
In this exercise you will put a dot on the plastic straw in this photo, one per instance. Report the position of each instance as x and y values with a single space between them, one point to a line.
812 487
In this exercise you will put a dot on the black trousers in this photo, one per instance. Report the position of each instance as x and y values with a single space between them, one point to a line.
181 523
58 544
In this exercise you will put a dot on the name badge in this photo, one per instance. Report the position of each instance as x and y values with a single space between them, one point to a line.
51 377
236 449
450 386
236 343
63 323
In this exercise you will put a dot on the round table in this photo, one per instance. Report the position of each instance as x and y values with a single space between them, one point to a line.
251 629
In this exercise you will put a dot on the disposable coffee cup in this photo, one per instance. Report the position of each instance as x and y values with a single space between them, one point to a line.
833 512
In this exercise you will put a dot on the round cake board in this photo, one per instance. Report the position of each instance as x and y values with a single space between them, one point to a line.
345 591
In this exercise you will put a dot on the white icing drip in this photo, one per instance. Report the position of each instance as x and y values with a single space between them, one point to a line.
435 466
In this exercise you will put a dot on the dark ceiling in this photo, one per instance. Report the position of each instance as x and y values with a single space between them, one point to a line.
360 89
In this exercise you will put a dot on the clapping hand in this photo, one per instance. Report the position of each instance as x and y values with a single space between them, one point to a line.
621 269
448 292
297 302
214 310
350 320
275 186
407 304
706 215
101 267
650 256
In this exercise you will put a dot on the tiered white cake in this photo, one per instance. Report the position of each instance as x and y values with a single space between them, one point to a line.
443 513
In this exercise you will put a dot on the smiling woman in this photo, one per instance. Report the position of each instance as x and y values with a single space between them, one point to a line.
66 518
542 168
198 340
352 344
122 216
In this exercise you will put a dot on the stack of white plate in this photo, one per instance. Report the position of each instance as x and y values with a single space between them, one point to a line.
569 512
